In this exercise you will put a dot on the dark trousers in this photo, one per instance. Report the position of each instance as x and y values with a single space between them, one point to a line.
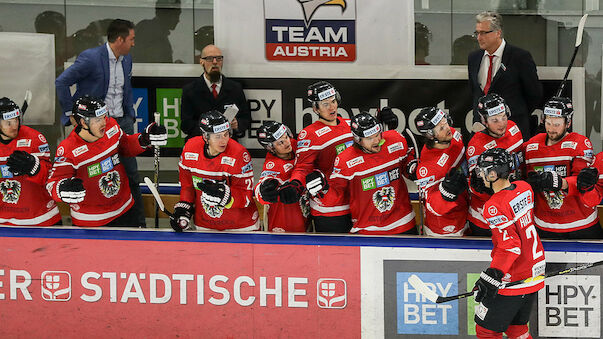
338 224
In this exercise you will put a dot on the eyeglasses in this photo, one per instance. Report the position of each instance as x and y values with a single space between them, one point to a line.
211 58
478 33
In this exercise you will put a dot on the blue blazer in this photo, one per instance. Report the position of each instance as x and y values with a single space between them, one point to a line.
91 74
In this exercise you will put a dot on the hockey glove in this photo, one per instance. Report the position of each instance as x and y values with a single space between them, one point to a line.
290 192
153 134
183 212
21 162
269 190
388 117
316 184
72 190
477 183
488 283
411 169
453 184
587 179
215 193
545 181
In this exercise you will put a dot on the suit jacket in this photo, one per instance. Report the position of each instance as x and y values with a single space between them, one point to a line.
91 74
197 99
516 82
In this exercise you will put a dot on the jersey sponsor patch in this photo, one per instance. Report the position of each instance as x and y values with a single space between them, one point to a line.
24 143
514 130
457 136
111 132
341 147
6 173
60 151
589 154
303 134
80 150
425 181
470 150
492 210
59 159
423 171
287 167
522 202
101 167
270 165
569 144
191 156
356 161
336 163
303 143
336 170
44 148
246 157
42 138
323 131
196 180
398 146
269 174
532 147
443 159
380 179
587 143
491 144
247 168
228 161
497 220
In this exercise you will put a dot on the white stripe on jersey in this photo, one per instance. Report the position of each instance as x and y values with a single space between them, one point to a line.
92 159
101 216
405 220
33 221
322 209
512 148
253 227
215 174
568 225
549 159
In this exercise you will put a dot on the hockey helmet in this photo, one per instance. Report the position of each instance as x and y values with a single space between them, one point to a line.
559 107
491 104
87 107
8 109
321 90
270 131
495 159
364 125
428 118
213 122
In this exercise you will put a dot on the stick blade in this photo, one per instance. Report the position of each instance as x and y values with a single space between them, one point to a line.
422 288
580 30
155 193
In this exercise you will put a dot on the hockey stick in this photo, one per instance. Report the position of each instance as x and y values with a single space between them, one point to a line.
156 152
26 101
157 197
419 189
577 46
430 295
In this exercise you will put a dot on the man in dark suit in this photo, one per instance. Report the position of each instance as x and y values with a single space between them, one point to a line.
504 69
213 91
105 72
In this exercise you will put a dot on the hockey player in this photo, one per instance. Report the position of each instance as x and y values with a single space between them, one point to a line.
87 172
440 176
278 140
499 132
317 147
369 176
517 254
589 182
24 165
216 178
553 161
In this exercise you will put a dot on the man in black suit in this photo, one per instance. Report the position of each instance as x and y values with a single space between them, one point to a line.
504 69
213 91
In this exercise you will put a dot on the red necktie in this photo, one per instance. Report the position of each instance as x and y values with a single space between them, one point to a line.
487 87
215 93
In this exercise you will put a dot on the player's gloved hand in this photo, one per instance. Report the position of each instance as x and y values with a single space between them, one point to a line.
183 212
269 190
386 116
411 169
215 193
72 190
477 183
488 283
21 162
587 179
290 192
545 181
316 183
453 184
153 134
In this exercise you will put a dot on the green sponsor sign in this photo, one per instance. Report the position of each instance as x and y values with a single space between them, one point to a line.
196 180
168 104
340 148
94 170
368 183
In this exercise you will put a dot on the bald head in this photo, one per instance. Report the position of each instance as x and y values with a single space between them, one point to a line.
212 61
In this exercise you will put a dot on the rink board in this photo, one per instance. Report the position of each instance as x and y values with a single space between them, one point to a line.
71 282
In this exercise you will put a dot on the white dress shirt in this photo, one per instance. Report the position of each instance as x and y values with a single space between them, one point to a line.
482 75
115 92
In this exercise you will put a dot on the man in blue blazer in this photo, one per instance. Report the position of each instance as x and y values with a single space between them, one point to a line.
105 72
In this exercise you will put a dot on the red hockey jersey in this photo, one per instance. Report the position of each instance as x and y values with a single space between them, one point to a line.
233 166
517 251
512 142
317 147
591 198
561 211
282 217
373 186
442 217
104 177
25 201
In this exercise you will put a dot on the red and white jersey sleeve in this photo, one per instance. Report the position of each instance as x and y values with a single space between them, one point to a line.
317 147
517 251
104 177
233 167
25 201
282 217
373 186
561 211
442 217
512 141
591 198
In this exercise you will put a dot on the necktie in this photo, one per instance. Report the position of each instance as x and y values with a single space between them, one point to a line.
215 93
487 87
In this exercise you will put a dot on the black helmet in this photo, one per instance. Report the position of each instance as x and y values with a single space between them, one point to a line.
213 122
87 107
322 90
271 131
491 104
428 118
8 109
559 107
364 125
496 159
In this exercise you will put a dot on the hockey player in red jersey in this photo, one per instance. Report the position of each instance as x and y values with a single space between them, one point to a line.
499 132
216 178
87 172
589 182
553 161
278 140
368 176
440 176
24 165
317 146
517 254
